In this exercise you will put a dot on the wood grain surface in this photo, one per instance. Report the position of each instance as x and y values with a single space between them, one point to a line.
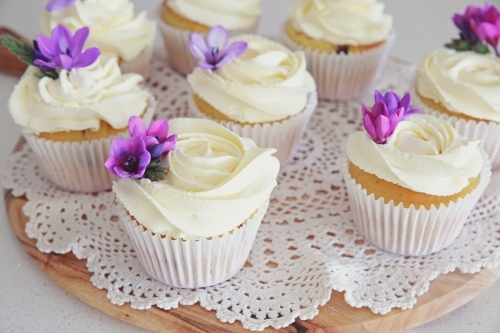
446 293
10 63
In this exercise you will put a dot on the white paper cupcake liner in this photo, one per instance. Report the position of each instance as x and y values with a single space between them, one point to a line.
140 64
176 42
284 135
410 231
488 133
79 166
343 76
193 263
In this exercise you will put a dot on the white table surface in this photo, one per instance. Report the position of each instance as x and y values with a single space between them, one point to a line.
31 302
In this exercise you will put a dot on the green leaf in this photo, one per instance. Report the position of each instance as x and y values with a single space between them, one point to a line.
20 48
481 49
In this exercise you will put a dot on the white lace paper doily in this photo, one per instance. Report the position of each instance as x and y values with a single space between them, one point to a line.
307 244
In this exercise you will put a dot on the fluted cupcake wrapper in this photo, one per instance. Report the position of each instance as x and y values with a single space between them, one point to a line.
79 166
284 135
341 77
192 263
410 231
176 42
140 64
487 132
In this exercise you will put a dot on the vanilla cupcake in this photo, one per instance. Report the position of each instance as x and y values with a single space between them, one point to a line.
412 185
195 228
461 83
346 43
462 87
69 115
179 18
114 28
265 93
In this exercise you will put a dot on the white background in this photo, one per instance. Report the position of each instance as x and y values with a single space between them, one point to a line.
32 302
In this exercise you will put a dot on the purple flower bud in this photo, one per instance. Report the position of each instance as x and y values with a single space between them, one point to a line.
393 103
385 115
128 159
214 53
62 50
158 130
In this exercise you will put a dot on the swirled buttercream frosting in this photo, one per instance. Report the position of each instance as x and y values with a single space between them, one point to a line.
341 22
114 27
78 100
425 154
231 14
216 181
463 82
266 83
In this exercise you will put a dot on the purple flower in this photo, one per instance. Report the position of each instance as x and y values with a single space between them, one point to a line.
214 53
379 123
155 135
57 5
62 50
479 24
393 103
489 32
129 159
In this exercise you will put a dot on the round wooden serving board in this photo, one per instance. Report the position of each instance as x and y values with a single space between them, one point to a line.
446 293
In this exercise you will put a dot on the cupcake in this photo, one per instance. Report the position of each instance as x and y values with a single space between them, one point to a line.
255 87
114 28
461 83
194 225
71 106
346 43
179 18
411 183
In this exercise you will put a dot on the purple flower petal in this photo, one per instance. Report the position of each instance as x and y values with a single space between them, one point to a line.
237 48
62 37
411 112
122 173
379 108
217 38
78 41
156 151
150 141
137 146
119 148
405 101
378 96
136 126
88 57
198 46
40 63
111 163
382 128
367 123
159 128
204 65
46 46
391 101
66 61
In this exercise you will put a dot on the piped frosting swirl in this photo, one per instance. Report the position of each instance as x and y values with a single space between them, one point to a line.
425 154
216 181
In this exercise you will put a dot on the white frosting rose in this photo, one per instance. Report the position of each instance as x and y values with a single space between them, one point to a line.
425 154
78 99
231 14
114 27
266 83
341 22
216 181
463 82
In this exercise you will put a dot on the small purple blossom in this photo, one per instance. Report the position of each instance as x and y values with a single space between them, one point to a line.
214 53
58 5
158 131
393 103
62 50
477 26
386 114
128 159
